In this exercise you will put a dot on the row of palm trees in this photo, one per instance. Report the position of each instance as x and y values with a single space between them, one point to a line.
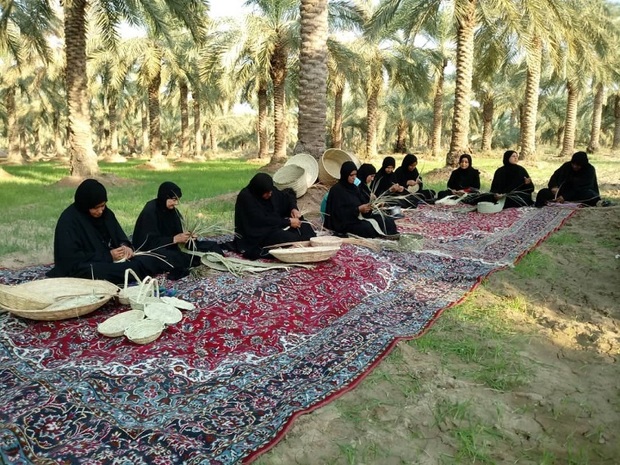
397 73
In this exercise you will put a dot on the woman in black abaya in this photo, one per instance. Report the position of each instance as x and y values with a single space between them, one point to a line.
408 176
345 205
463 180
511 181
267 216
90 243
159 229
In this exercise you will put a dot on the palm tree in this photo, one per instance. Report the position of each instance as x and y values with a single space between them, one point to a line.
313 78
83 161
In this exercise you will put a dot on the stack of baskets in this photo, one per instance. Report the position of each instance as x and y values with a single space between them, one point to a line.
298 173
330 163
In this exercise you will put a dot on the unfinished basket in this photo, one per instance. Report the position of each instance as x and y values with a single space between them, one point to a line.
330 163
305 254
130 291
490 207
116 325
329 241
144 331
148 293
167 314
308 163
291 177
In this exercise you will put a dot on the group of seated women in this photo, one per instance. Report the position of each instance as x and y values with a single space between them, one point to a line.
90 243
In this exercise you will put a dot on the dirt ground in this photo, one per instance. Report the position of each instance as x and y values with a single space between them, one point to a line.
525 371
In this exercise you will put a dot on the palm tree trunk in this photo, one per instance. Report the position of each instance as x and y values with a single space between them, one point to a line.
183 92
278 77
263 138
488 108
83 161
597 114
568 144
113 121
401 137
466 23
337 126
145 128
197 126
154 120
438 111
530 111
312 78
58 145
213 138
371 123
14 156
616 143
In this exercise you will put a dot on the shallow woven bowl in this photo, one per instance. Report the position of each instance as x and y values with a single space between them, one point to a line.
36 295
489 207
330 163
291 177
116 325
326 241
167 314
144 331
308 163
305 254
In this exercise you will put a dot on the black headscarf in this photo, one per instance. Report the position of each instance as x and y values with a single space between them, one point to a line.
403 175
167 190
409 160
260 184
364 171
580 158
464 178
345 170
89 194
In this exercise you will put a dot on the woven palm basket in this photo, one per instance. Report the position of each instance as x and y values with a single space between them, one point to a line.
490 207
293 177
330 163
305 254
329 241
65 298
144 331
167 314
308 163
131 291
116 325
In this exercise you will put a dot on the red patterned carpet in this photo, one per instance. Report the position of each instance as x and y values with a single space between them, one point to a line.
223 385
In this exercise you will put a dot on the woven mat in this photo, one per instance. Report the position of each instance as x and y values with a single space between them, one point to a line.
225 383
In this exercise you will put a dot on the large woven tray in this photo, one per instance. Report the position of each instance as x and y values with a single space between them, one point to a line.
305 254
69 297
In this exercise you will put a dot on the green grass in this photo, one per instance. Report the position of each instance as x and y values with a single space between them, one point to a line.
32 200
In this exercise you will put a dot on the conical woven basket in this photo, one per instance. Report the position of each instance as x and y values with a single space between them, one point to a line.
167 314
293 177
116 325
330 163
144 331
308 163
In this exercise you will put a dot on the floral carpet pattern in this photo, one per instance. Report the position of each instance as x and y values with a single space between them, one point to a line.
225 383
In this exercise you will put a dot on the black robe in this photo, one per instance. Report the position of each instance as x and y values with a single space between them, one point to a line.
467 180
82 247
402 175
342 211
576 186
260 223
510 179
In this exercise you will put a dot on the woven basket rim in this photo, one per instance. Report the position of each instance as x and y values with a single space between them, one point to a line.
116 325
166 313
308 163
144 331
288 174
320 241
45 314
330 163
305 254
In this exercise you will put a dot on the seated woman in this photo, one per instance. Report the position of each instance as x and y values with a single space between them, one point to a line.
159 229
386 184
366 175
511 182
463 180
574 181
408 176
90 243
267 216
348 211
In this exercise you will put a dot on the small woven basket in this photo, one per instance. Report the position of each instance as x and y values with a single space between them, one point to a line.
127 291
144 331
329 241
305 254
330 163
116 325
149 293
308 163
293 177
167 314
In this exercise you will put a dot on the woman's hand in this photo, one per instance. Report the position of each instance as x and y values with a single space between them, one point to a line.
365 208
527 180
396 188
295 213
182 238
295 222
121 253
